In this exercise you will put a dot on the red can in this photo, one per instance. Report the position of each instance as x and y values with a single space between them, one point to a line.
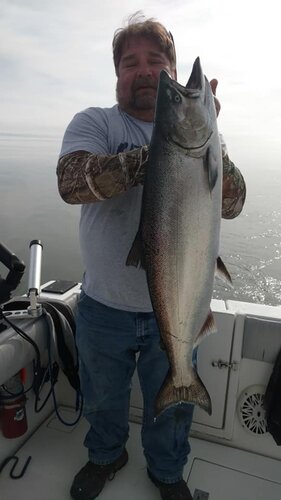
12 407
13 417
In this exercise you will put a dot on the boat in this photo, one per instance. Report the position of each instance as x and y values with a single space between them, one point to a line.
233 454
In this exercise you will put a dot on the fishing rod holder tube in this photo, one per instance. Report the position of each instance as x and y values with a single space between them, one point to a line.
34 283
34 277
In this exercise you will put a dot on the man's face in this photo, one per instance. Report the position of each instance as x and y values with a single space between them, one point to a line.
138 75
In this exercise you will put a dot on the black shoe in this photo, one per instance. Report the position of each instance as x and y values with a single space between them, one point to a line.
173 491
90 480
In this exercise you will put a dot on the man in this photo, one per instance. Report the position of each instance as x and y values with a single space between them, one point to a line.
102 166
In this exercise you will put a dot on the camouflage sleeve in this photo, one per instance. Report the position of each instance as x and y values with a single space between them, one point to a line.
86 177
234 189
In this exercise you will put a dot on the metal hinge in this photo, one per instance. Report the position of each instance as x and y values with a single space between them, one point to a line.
224 364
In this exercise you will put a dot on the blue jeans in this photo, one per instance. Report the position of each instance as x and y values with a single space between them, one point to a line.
108 341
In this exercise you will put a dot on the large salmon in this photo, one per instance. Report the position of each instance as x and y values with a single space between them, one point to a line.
178 239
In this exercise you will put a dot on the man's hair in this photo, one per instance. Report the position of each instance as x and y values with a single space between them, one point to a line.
138 26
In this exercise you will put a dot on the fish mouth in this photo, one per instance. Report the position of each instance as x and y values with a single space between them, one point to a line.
196 80
195 84
193 92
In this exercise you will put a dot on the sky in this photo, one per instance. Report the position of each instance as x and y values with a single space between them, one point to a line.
56 59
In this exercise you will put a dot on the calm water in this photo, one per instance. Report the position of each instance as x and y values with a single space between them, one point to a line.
30 208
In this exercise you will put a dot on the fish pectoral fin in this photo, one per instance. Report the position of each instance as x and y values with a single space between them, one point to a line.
208 327
135 255
222 272
211 167
196 393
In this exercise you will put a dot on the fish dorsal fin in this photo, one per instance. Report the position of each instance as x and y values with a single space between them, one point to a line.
222 272
208 327
135 256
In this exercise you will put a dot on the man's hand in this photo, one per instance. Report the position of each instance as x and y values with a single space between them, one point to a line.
214 84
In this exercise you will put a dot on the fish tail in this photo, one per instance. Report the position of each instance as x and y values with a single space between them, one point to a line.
196 393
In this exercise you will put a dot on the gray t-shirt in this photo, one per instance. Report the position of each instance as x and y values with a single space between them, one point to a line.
108 228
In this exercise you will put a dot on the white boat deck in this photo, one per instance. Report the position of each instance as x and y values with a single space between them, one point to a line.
228 460
58 453
214 472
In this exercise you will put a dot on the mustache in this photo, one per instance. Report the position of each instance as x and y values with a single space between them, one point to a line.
144 82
